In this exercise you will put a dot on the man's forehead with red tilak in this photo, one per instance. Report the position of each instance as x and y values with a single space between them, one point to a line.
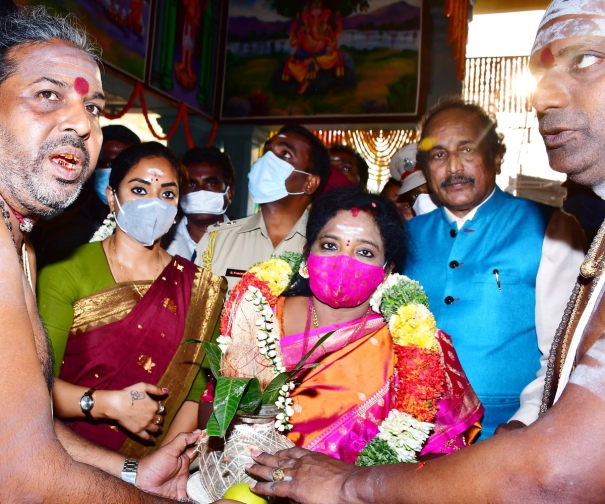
81 85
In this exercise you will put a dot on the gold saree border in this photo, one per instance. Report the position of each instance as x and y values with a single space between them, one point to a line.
207 294
108 305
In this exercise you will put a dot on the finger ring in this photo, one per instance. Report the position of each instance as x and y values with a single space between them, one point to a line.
278 474
161 408
158 420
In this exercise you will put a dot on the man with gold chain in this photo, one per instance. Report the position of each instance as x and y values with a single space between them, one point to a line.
561 456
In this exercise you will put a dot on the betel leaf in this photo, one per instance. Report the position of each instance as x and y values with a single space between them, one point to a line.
214 354
251 399
212 428
227 396
271 393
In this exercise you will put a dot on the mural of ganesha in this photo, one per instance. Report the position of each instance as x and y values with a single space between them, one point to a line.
315 40
302 58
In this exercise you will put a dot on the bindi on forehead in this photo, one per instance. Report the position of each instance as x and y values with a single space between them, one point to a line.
81 85
547 58
354 211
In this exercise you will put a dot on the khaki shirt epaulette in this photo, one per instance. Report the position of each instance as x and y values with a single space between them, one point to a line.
222 226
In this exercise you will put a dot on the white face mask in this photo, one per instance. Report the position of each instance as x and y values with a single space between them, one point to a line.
204 202
145 220
267 179
423 204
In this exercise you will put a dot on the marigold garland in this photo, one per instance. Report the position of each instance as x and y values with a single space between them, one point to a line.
413 325
421 382
419 378
275 273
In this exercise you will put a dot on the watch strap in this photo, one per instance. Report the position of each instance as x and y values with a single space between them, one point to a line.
129 471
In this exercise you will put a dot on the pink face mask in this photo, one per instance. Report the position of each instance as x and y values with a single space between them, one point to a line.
341 281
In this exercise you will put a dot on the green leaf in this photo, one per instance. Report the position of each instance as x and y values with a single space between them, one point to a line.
293 259
214 354
227 396
212 428
376 452
404 292
251 399
271 393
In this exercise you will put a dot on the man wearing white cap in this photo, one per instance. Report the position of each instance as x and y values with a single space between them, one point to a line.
561 456
413 194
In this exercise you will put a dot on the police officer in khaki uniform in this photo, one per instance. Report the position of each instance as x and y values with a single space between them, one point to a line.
283 182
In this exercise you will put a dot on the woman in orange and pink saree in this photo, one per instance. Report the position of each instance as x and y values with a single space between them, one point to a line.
354 241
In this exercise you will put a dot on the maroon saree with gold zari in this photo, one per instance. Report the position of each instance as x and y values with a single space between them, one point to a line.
118 339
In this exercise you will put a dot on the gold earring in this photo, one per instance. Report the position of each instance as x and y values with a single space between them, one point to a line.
303 271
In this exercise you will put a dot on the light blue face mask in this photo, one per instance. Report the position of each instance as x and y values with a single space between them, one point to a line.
101 183
145 220
267 179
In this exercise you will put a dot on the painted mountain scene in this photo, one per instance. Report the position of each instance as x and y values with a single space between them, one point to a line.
301 58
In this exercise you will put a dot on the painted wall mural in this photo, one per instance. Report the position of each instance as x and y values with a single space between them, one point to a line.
120 27
185 51
296 58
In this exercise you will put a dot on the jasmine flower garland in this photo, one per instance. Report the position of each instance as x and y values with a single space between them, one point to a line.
106 229
396 291
419 378
404 434
267 342
224 342
284 404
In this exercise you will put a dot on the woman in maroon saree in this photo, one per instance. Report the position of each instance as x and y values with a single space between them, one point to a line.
119 313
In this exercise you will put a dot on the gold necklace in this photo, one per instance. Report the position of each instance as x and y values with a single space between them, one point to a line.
157 269
316 321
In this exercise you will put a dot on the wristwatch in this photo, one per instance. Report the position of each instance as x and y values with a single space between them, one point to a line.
87 403
129 471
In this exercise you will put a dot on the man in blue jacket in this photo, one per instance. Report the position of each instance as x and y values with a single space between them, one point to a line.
498 270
